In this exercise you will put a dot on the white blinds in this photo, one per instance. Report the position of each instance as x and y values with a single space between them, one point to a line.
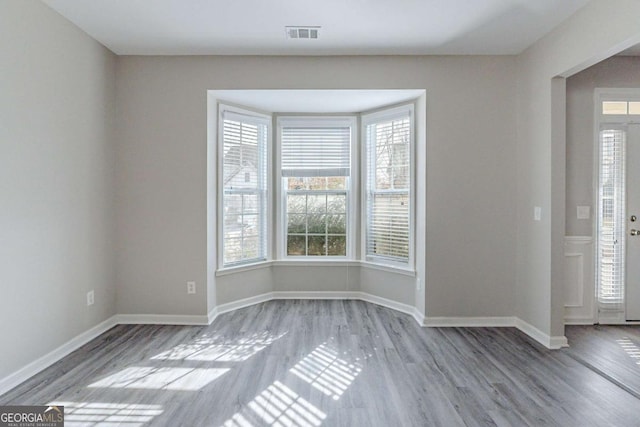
315 150
611 219
244 182
388 187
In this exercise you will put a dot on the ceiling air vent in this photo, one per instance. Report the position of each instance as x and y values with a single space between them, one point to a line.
302 32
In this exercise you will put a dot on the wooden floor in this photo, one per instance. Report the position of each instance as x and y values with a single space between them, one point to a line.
330 363
612 351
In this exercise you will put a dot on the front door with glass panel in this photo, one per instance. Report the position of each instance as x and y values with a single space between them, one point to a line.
632 223
618 254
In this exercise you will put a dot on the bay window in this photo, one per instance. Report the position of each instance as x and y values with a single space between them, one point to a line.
244 207
388 185
317 190
315 170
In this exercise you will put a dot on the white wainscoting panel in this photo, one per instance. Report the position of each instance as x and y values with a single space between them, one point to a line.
574 280
579 285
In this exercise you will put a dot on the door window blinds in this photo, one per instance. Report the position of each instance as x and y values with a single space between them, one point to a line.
611 219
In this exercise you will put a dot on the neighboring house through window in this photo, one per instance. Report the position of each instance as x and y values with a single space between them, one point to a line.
244 186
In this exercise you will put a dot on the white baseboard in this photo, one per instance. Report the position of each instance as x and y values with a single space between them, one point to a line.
394 305
579 321
470 322
550 342
242 303
315 295
213 314
246 302
26 372
162 319
419 317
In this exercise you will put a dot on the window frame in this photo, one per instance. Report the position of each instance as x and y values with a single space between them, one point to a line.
386 114
256 117
290 120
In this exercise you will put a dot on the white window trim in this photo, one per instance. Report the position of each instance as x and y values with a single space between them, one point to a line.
366 119
354 183
315 263
616 94
222 107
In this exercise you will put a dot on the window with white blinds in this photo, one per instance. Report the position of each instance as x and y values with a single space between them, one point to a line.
388 186
315 162
244 187
611 218
315 149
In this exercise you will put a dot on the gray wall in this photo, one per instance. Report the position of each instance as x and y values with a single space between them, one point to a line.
470 157
619 71
571 47
56 182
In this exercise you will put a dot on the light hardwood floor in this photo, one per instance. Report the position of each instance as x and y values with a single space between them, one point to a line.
330 363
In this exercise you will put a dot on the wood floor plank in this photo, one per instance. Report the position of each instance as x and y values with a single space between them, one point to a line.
612 350
335 363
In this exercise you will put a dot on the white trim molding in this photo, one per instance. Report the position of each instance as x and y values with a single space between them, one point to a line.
355 295
315 263
243 267
162 319
579 280
21 375
469 322
384 302
553 343
388 268
314 295
241 303
419 317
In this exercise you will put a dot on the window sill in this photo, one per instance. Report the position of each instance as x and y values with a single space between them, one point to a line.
389 268
316 263
243 268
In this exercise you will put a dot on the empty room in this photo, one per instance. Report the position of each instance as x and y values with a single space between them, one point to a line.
337 213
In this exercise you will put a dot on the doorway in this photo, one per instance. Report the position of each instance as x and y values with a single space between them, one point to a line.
618 214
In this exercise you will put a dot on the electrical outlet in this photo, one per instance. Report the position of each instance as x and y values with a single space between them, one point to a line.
90 298
537 213
191 287
584 212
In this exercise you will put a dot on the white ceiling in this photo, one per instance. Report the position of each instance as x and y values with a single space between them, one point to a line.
354 27
316 101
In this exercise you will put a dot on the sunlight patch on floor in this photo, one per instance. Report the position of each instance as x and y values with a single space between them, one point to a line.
209 349
278 406
325 371
185 379
102 414
630 348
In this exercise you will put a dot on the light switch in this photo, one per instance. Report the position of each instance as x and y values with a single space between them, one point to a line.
584 212
537 213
